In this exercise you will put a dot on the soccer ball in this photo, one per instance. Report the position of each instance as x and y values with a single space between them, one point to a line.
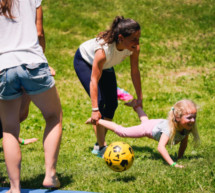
119 156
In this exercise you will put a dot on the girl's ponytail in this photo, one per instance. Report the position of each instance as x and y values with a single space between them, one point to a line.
120 25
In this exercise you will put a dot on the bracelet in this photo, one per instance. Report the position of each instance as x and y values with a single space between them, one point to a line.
95 109
173 165
23 142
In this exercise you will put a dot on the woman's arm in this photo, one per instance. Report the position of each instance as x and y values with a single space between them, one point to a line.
41 34
135 75
162 150
97 68
39 25
183 146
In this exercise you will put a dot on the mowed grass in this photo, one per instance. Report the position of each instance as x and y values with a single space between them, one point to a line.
176 62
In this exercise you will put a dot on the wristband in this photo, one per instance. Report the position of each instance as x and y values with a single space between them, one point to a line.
173 165
23 142
95 109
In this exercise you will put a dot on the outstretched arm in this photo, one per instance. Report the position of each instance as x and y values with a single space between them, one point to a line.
164 153
27 141
135 75
183 146
97 68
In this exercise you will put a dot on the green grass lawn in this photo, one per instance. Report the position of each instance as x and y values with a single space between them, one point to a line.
177 61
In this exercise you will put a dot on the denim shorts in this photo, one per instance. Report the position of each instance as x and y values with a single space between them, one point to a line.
33 78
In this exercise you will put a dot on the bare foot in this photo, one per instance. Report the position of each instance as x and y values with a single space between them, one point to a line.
132 103
32 140
14 191
89 121
52 182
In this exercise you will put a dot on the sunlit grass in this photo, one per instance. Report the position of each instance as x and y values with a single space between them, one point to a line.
176 62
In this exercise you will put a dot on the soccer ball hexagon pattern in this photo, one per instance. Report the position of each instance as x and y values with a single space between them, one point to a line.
119 156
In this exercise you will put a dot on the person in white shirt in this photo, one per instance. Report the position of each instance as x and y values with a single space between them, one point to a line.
23 66
93 63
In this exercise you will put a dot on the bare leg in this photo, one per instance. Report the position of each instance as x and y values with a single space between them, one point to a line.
24 109
49 104
105 123
141 114
131 132
100 135
101 132
10 122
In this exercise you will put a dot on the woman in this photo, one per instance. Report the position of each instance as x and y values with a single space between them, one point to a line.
93 63
24 66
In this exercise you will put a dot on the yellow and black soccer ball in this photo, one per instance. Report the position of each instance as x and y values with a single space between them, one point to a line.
119 156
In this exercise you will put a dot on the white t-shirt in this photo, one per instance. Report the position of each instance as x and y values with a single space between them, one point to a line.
19 42
113 56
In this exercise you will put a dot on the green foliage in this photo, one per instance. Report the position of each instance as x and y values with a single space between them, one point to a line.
176 62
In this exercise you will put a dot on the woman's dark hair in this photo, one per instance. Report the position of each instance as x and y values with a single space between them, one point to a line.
120 25
5 8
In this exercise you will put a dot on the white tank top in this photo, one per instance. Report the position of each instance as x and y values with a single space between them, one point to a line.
113 56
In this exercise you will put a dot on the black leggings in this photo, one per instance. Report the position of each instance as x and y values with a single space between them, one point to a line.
107 87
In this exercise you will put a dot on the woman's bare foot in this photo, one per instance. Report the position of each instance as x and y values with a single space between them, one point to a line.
13 191
52 182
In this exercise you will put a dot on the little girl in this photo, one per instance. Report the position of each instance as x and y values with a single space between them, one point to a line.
180 123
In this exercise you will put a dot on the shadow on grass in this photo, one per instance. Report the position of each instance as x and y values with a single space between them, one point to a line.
125 179
154 155
36 183
3 181
190 157
1 158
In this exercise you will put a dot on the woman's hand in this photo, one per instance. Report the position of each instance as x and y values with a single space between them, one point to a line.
52 71
95 116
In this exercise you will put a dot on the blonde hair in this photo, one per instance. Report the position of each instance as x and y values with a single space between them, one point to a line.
181 108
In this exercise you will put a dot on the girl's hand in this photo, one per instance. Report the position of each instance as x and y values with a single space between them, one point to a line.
179 166
95 116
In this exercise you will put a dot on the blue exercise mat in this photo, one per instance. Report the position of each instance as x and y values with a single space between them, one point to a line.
3 190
